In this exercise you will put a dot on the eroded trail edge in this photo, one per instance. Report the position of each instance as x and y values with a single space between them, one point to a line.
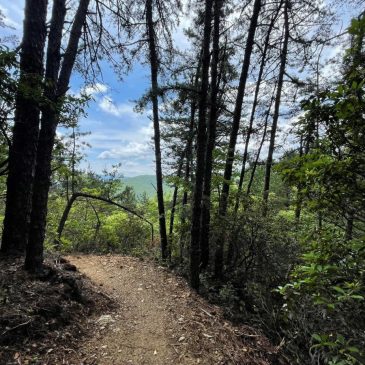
159 320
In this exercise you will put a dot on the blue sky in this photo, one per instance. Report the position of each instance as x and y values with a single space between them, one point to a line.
118 134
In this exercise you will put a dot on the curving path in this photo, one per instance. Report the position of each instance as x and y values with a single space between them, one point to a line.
160 321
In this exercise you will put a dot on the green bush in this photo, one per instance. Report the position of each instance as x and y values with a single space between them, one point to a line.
324 300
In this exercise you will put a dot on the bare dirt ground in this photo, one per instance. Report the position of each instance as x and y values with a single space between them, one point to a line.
159 320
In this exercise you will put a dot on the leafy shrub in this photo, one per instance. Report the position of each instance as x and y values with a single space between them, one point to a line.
324 300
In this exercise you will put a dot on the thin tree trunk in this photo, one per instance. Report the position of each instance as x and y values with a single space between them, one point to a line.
98 222
156 126
172 215
283 60
23 151
252 176
233 137
254 106
49 123
298 205
200 158
75 196
189 153
212 127
63 219
254 167
174 201
73 161
189 146
232 243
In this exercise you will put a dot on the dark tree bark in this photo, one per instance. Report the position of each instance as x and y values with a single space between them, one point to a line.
173 203
188 160
34 252
189 146
23 151
211 137
233 136
232 247
201 148
189 151
283 60
254 167
298 204
98 222
56 90
172 215
254 106
154 64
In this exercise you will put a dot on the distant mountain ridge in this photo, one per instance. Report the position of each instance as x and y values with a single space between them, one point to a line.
144 184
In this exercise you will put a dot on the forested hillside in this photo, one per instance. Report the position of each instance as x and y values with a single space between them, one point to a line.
256 113
144 184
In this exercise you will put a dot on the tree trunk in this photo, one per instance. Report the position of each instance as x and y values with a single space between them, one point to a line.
173 205
23 151
189 146
34 252
156 126
212 126
233 137
298 203
199 172
283 59
98 222
189 154
50 117
254 167
254 106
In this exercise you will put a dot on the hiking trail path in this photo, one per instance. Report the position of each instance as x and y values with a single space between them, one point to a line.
159 320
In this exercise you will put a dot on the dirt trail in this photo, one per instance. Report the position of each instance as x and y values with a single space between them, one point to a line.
138 333
160 320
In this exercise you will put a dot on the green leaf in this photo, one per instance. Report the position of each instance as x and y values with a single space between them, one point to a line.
358 297
338 289
353 349
317 337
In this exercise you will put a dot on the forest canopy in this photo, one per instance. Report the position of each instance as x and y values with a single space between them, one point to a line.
257 124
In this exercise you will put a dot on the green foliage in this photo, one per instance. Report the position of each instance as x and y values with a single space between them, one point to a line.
95 226
326 295
325 181
296 270
8 87
8 74
262 250
324 299
125 234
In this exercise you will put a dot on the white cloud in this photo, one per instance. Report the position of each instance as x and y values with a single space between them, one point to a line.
129 168
185 21
123 109
95 89
147 131
107 137
130 150
9 17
